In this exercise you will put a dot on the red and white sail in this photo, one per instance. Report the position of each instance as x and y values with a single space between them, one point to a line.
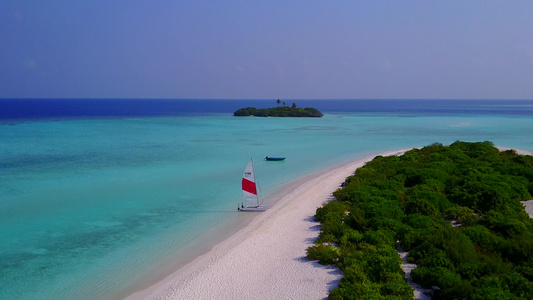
249 187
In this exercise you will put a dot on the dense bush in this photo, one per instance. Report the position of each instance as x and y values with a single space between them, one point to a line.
414 199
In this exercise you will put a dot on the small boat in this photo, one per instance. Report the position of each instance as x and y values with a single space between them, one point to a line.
249 189
274 158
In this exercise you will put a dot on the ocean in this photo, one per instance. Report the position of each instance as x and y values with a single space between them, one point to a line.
100 196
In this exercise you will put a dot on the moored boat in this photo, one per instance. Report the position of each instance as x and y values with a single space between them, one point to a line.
274 158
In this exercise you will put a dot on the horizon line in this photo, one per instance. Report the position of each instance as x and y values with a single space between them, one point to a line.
255 99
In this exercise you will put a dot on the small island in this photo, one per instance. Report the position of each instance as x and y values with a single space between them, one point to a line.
279 111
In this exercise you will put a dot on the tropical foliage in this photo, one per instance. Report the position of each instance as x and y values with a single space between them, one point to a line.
280 111
411 201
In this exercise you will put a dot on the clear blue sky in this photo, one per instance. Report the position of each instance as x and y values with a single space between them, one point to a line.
451 49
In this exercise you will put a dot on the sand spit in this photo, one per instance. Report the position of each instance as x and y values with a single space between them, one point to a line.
266 260
518 151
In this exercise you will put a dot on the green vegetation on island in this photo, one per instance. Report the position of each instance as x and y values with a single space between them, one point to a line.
456 209
279 111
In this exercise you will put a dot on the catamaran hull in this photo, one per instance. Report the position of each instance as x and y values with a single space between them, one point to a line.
259 208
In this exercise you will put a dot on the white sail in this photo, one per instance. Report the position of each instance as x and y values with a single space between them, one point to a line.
249 186
249 189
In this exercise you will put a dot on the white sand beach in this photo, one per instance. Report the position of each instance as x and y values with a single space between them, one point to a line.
266 259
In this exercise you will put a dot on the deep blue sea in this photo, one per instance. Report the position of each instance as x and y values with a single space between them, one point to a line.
25 109
98 196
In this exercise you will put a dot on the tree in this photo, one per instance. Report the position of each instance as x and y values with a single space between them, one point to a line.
293 105
279 101
412 199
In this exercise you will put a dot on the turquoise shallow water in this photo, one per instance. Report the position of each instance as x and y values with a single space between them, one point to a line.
89 206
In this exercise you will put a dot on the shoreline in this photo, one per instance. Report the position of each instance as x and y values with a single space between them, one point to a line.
268 254
272 247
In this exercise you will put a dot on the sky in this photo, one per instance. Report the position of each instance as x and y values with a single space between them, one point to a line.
233 49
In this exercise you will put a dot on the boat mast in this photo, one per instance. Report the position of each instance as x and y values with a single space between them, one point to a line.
255 181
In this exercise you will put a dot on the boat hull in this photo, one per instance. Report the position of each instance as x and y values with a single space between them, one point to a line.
274 158
252 209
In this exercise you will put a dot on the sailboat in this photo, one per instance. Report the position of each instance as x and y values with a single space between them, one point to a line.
249 189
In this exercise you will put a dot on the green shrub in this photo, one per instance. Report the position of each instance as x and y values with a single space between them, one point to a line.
435 276
325 254
334 207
